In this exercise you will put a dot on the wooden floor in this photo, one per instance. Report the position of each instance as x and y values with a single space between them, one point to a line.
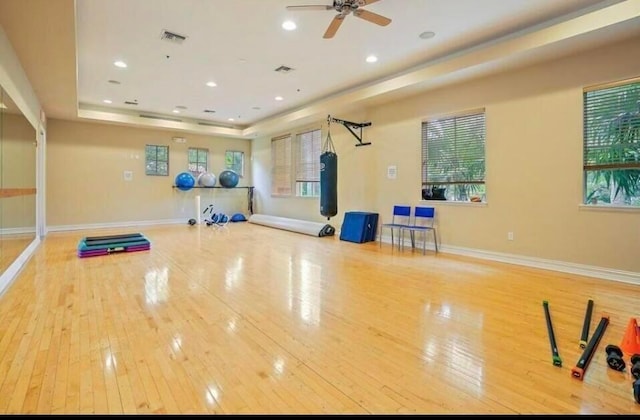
251 319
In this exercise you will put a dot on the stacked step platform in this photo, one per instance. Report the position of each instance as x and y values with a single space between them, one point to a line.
359 226
93 246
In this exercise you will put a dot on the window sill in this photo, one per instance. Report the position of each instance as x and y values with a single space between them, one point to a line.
455 203
600 207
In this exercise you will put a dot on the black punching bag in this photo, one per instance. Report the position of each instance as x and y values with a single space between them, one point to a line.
328 184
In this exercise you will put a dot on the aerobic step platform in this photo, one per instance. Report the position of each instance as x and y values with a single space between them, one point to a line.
93 246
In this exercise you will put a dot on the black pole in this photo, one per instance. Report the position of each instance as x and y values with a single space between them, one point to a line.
583 363
555 356
585 328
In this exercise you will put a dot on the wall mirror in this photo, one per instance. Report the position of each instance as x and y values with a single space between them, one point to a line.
17 181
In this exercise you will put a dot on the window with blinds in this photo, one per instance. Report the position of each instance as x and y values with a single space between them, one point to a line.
281 179
197 160
453 159
611 156
309 147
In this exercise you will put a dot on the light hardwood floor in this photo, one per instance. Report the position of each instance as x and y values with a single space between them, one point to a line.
251 319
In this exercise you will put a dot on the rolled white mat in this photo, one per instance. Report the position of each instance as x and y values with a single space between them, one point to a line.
293 225
197 209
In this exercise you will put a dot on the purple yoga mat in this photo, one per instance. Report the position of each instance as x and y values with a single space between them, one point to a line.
105 251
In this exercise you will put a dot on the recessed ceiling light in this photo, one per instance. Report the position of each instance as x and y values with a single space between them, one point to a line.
372 59
231 119
427 34
279 98
107 101
176 111
120 64
257 108
211 84
289 25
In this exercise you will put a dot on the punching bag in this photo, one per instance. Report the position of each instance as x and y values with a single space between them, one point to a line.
328 179
328 184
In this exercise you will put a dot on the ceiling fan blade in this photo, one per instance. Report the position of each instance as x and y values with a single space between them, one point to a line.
372 17
334 26
310 7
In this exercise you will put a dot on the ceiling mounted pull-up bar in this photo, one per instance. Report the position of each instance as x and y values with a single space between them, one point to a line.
351 126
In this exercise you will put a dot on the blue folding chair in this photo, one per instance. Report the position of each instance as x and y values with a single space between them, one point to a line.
423 221
401 218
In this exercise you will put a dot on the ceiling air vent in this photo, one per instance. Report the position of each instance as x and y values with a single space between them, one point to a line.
172 37
209 111
154 117
130 103
284 69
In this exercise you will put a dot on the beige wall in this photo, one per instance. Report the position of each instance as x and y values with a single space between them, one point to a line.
533 160
85 175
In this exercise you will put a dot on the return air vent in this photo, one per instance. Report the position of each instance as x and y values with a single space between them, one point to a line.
154 117
172 37
284 69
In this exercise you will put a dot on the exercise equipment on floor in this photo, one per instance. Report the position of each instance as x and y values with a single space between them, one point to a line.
615 358
217 219
93 246
555 355
585 326
631 340
583 363
328 177
359 227
293 225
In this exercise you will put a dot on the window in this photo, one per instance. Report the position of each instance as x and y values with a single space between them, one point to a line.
235 161
612 144
198 160
156 160
309 147
281 165
453 160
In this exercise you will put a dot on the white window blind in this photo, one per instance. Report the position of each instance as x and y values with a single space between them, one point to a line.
309 147
612 144
281 177
453 156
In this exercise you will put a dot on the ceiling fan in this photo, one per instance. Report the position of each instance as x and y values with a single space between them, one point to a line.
344 8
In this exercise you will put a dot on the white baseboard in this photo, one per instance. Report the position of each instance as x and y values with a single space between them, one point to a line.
560 266
7 277
64 228
18 231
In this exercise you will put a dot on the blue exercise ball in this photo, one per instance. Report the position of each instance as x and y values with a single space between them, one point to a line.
207 179
185 181
228 178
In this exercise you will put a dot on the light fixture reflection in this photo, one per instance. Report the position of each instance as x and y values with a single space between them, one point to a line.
278 366
110 362
231 326
233 274
156 285
212 394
